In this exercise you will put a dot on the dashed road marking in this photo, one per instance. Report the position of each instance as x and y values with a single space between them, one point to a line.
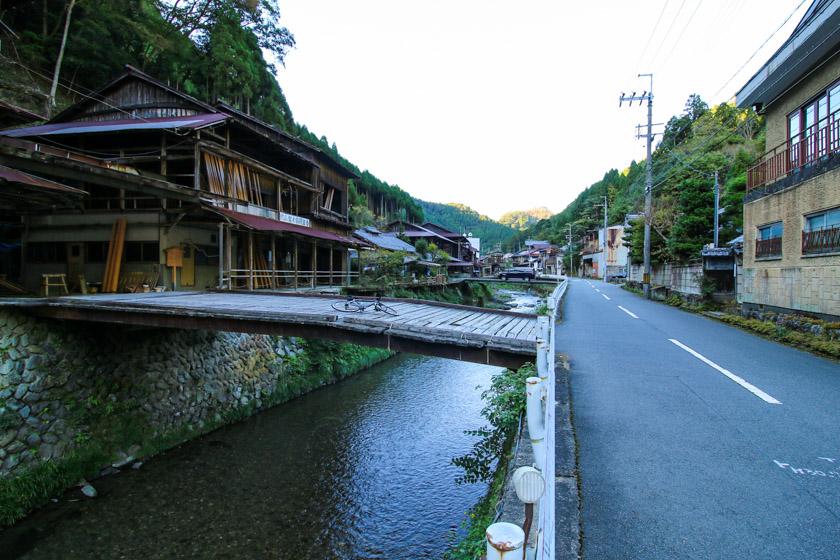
745 384
629 312
605 296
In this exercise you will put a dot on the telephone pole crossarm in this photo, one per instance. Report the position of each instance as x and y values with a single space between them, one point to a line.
646 96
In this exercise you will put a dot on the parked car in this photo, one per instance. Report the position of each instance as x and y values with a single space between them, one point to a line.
518 272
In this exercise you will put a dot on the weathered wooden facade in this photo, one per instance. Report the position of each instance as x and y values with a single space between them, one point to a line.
210 196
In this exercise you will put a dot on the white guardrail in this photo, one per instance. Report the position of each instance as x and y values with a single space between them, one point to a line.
505 538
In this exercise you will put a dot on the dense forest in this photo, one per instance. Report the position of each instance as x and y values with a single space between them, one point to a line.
523 219
210 49
463 219
693 146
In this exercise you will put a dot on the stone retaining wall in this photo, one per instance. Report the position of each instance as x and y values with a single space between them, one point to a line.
68 386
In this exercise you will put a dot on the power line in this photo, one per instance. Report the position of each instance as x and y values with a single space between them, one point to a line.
738 71
652 33
667 33
680 36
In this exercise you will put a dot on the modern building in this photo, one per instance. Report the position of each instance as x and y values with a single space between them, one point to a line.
791 258
175 193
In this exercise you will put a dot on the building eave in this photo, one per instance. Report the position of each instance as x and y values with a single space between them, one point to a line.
815 40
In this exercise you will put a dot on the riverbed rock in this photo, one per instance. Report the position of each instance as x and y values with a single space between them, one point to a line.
89 490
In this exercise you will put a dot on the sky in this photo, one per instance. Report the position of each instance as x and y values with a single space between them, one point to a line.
510 105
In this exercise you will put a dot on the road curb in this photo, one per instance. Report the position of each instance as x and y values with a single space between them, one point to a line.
567 533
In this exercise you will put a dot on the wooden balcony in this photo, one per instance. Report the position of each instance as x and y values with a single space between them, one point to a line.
821 241
816 142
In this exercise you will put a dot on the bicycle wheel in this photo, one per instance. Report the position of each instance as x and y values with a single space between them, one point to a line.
346 306
386 309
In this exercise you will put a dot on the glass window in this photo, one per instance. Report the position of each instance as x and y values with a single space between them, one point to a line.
832 218
824 220
793 121
770 231
810 116
142 251
834 99
97 251
46 252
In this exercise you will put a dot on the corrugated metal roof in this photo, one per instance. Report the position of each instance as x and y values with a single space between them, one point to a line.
88 127
19 177
267 224
388 241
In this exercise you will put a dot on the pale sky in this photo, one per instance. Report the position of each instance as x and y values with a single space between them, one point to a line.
508 105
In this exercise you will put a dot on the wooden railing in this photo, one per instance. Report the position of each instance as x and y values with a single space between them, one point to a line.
817 141
285 279
821 241
767 248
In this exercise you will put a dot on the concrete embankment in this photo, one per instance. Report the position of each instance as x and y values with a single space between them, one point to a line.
75 399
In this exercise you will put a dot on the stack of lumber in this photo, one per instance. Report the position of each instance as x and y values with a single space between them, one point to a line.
260 264
232 179
114 260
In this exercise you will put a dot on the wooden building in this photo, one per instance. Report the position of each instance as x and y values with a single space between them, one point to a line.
206 196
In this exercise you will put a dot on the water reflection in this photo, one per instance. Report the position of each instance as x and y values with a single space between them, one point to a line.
360 469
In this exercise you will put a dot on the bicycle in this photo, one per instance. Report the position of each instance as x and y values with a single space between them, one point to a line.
353 305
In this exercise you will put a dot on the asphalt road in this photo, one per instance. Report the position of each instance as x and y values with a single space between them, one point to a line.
679 459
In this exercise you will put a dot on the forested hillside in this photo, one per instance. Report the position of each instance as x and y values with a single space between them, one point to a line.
210 49
694 144
463 219
523 219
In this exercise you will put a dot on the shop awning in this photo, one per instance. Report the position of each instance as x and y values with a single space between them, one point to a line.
258 223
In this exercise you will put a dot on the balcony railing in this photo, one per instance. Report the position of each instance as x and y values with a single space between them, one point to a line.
817 141
821 241
768 248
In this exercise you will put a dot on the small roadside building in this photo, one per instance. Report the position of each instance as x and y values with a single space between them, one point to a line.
792 204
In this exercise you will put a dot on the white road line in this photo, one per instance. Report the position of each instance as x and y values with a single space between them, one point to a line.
606 296
629 312
597 290
746 385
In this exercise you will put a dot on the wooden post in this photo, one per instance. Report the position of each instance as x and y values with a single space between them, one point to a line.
273 260
314 262
250 260
332 251
347 277
230 257
197 163
221 255
296 263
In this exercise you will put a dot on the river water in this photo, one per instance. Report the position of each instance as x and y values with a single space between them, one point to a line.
360 469
357 470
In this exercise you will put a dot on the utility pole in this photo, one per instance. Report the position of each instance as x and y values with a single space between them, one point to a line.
606 228
717 207
571 256
646 96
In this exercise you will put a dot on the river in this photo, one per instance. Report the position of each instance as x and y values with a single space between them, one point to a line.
359 469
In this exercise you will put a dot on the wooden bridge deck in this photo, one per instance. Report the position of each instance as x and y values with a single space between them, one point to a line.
454 331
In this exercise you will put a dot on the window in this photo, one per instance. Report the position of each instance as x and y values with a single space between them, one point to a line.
142 252
768 243
96 251
822 232
814 128
771 231
46 252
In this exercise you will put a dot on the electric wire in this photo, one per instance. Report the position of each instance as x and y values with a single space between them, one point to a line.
753 55
668 32
680 36
652 33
